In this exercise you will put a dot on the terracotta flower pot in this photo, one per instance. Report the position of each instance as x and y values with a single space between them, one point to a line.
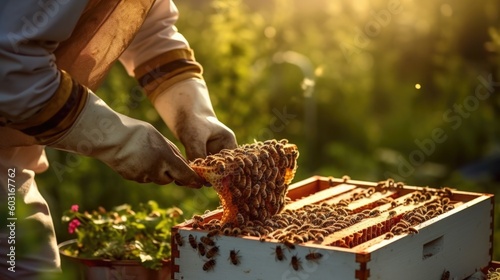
102 269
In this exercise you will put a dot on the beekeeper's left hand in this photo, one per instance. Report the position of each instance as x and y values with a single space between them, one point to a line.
186 109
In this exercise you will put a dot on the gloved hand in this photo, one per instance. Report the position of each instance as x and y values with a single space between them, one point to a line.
186 109
134 149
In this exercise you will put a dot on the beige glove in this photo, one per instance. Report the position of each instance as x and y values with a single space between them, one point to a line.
186 109
134 149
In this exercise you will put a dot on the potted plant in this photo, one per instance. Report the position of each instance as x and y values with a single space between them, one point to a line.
121 243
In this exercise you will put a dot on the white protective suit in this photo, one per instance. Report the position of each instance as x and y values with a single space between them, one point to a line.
53 53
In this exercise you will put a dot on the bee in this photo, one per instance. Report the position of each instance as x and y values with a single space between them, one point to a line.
292 164
272 197
236 231
213 233
179 239
198 218
297 238
242 178
392 213
196 225
236 175
256 173
253 158
296 263
408 201
234 258
236 192
319 237
270 162
192 241
247 191
201 249
342 211
403 224
381 184
394 204
370 191
239 161
274 174
445 201
448 207
343 203
212 252
289 244
240 219
345 178
264 155
226 231
255 189
209 265
210 158
431 214
244 208
397 230
207 241
427 195
313 256
254 212
247 162
221 167
282 223
417 217
263 194
447 191
256 201
374 213
279 253
198 161
305 227
412 230
445 275
272 150
389 182
228 157
284 161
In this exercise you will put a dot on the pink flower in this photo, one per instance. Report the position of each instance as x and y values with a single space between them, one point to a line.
74 208
73 225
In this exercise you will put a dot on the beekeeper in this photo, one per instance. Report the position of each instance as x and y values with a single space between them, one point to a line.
53 54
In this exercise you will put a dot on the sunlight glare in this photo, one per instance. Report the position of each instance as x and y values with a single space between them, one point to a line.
270 32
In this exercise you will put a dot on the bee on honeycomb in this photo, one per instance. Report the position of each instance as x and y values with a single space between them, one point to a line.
251 180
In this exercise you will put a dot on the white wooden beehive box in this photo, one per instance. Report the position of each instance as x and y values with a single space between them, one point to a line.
458 241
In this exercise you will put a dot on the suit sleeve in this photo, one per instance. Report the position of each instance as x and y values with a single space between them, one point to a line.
159 56
35 96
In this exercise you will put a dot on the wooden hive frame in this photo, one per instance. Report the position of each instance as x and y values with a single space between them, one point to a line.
459 241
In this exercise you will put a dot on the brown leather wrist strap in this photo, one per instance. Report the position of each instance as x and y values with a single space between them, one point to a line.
165 70
59 113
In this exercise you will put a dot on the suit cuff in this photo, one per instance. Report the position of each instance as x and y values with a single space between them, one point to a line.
165 70
59 113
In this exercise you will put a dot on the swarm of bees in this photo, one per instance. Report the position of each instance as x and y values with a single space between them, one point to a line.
314 223
251 180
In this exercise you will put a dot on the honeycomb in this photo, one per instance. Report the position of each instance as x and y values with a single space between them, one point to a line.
251 180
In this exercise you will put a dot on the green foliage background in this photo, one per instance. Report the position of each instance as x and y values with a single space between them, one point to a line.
339 79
